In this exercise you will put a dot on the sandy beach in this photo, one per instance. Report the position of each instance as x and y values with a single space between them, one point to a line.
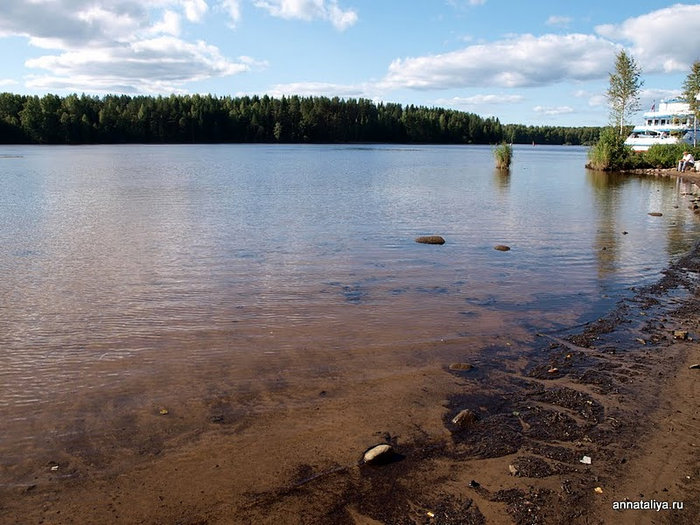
593 424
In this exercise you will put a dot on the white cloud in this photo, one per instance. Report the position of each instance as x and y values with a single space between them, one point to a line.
666 40
323 89
233 9
153 65
169 25
555 20
7 82
195 9
519 61
479 100
125 46
310 10
552 111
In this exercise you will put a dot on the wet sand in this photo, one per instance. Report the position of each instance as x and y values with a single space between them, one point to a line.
618 391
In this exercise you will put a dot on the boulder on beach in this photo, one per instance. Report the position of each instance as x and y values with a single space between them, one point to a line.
465 418
430 239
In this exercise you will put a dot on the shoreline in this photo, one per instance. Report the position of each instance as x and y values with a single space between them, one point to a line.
618 391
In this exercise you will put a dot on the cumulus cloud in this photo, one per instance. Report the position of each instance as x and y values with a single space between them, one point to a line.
150 65
123 46
666 40
310 10
520 61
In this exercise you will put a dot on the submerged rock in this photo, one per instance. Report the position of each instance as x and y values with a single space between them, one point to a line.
381 453
501 248
430 239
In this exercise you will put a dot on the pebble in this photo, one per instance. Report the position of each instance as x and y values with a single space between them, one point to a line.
430 239
461 366
655 214
501 248
695 367
378 453
680 334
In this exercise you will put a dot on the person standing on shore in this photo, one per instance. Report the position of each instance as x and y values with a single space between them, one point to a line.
686 161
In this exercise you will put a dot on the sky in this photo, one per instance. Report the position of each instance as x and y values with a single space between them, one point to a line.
525 62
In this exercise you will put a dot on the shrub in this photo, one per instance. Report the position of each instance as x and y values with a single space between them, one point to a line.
610 152
667 156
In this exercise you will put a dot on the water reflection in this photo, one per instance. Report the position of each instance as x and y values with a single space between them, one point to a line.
501 180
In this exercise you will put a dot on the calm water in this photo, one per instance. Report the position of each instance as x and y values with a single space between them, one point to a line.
140 276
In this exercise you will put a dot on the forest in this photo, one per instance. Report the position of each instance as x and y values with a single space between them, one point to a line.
83 119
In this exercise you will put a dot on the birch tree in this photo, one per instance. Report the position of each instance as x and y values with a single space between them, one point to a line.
623 93
691 90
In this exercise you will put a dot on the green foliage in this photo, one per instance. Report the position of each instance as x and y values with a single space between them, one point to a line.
503 154
667 155
623 92
610 152
664 156
691 88
79 119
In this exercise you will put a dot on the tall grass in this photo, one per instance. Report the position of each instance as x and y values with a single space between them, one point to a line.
503 155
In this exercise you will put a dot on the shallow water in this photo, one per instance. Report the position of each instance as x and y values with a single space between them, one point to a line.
136 277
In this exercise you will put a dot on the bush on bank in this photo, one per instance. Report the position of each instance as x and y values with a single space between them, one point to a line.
611 154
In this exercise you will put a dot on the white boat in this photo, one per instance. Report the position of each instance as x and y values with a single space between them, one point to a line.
672 122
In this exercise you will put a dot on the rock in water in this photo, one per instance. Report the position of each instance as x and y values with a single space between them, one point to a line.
501 248
430 239
381 453
465 418
655 214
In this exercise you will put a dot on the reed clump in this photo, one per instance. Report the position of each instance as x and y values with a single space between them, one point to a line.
503 155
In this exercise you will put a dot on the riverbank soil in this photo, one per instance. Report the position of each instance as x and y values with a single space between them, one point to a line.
564 427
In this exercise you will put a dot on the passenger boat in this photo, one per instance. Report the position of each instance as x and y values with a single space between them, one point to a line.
671 123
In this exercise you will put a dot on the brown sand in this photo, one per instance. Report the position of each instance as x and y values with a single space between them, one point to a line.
619 391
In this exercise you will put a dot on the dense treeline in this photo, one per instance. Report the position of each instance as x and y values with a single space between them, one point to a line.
205 118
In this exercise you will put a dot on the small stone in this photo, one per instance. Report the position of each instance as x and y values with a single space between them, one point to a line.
465 418
430 239
695 367
163 411
655 214
501 248
378 453
586 460
474 484
513 470
680 334
598 490
461 366
553 370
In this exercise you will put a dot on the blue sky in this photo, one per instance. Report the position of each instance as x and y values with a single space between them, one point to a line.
523 62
